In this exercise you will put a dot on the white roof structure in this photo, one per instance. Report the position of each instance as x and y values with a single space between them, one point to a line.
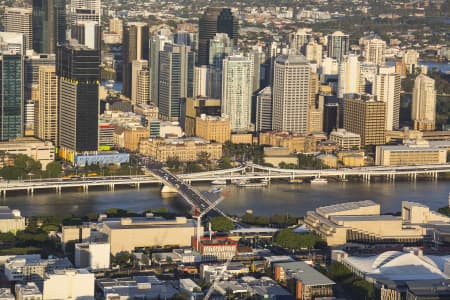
397 265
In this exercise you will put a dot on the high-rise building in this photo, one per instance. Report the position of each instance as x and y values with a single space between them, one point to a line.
264 109
176 65
410 59
47 106
423 113
220 46
116 26
49 25
291 93
330 116
215 20
136 67
135 47
85 10
349 72
12 42
19 20
257 57
237 91
11 95
338 45
314 52
157 43
299 39
374 51
143 86
87 33
387 89
367 77
77 68
315 105
366 116
29 117
31 72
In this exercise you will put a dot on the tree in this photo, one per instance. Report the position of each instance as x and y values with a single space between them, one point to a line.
54 169
221 224
203 158
287 238
122 258
225 162
173 163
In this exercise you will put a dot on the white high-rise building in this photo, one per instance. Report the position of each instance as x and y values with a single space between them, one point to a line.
19 20
291 93
410 59
330 66
136 67
201 81
314 52
387 89
374 51
349 72
423 113
300 38
85 10
237 79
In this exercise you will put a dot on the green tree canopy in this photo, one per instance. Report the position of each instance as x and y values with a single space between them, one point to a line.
287 238
221 224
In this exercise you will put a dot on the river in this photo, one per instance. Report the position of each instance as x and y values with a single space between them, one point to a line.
278 198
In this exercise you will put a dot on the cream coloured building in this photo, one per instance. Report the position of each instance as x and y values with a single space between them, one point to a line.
294 142
125 234
362 222
213 128
418 153
46 109
69 284
423 108
28 291
133 136
186 149
11 220
95 256
345 139
44 152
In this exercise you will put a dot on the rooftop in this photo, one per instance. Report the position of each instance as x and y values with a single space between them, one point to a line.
305 273
324 210
142 222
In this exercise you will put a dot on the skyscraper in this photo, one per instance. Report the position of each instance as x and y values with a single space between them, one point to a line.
215 20
116 26
176 65
47 105
49 25
374 51
410 58
264 109
135 47
423 113
157 43
299 39
136 67
237 91
85 10
338 45
19 20
387 89
87 33
291 93
11 95
366 116
315 105
349 72
314 52
367 77
220 46
77 68
143 86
